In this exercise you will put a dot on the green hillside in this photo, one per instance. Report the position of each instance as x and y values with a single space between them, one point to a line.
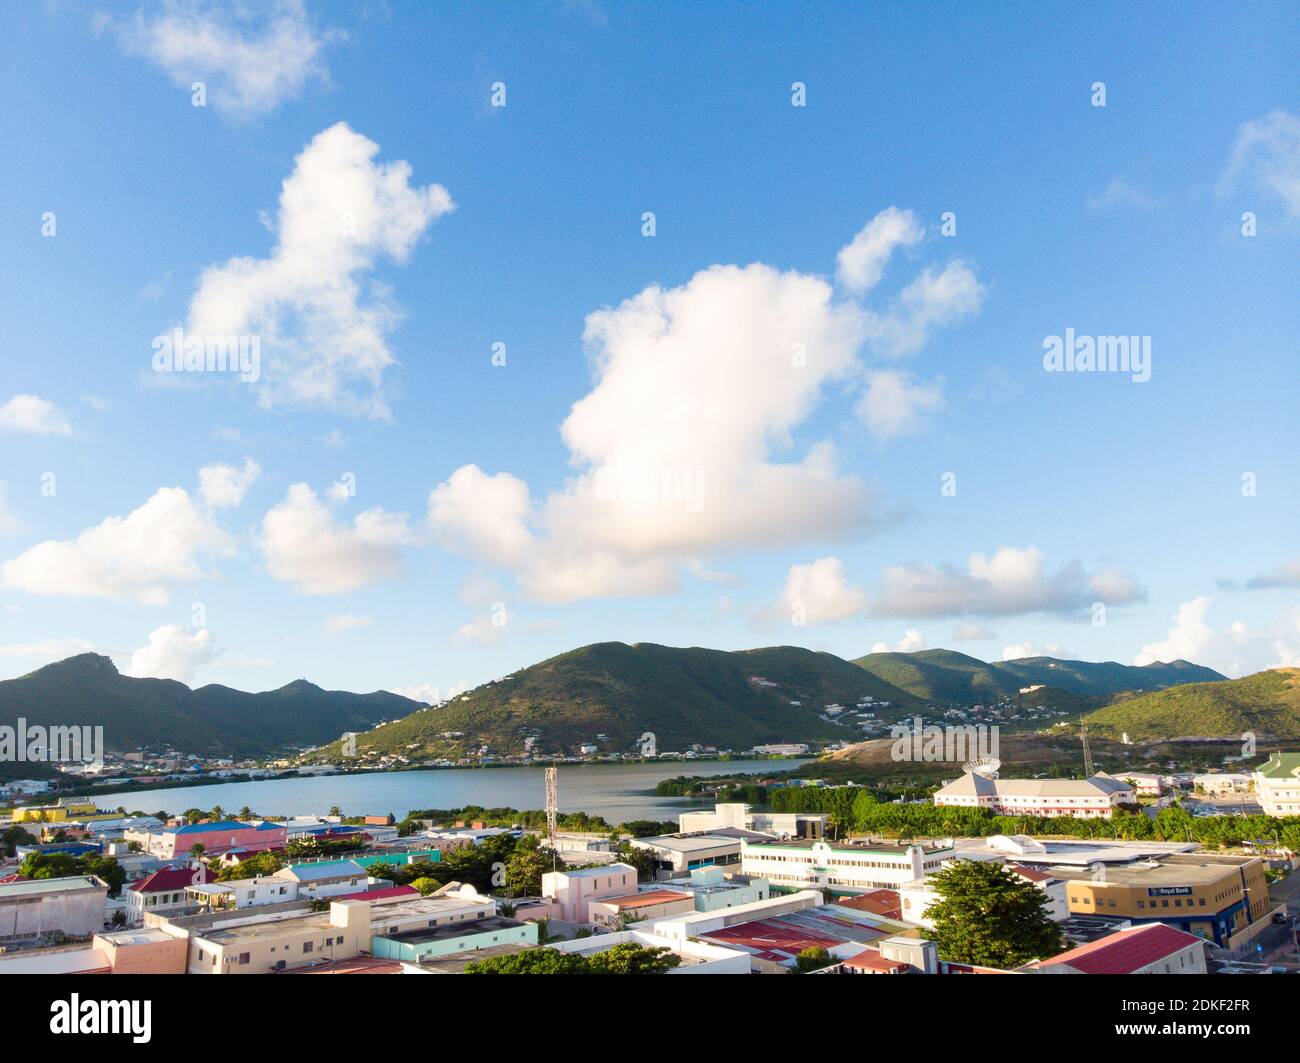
950 678
88 691
1266 703
733 700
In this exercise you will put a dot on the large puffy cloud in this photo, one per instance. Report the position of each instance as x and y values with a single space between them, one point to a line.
483 516
696 388
33 415
1009 582
222 486
1266 156
133 558
251 57
304 545
323 334
173 652
820 593
685 445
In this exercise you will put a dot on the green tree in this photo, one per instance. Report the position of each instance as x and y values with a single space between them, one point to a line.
813 958
426 885
988 916
526 866
630 958
530 961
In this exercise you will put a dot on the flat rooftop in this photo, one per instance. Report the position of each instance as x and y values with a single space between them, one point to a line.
422 935
1182 869
690 843
40 886
890 848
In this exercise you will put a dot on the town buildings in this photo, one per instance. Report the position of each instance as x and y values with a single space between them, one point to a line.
741 817
215 838
841 867
1153 948
1218 898
1095 797
1277 785
573 891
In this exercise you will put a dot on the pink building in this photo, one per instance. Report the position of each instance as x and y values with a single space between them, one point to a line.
171 842
572 891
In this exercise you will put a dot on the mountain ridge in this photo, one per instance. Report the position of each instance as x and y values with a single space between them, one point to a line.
88 690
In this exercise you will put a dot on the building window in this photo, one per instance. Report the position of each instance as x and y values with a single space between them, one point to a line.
307 946
244 957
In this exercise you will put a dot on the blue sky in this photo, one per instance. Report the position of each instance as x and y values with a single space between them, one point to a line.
653 462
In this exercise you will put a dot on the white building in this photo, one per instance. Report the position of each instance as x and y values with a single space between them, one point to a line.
1277 784
738 816
1093 798
916 898
1222 782
841 867
1144 783
31 910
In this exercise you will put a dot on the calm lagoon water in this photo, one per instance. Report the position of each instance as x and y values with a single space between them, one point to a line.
618 792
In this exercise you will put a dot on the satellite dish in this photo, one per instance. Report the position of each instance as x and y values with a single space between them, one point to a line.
986 766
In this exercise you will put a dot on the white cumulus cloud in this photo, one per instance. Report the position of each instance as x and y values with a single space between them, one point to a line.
820 593
223 486
33 415
173 652
303 544
323 331
251 57
131 558
1009 582
893 404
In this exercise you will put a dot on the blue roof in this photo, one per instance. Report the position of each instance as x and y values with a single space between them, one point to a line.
327 869
224 825
207 828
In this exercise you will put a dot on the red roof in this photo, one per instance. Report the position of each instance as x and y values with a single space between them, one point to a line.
1032 874
1124 951
871 960
380 894
14 878
644 900
772 936
874 902
170 878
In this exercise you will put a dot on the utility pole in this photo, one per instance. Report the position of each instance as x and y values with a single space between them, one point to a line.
1087 753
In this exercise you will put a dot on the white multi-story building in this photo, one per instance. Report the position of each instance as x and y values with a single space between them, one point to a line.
841 867
1277 785
738 816
1222 782
1093 798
